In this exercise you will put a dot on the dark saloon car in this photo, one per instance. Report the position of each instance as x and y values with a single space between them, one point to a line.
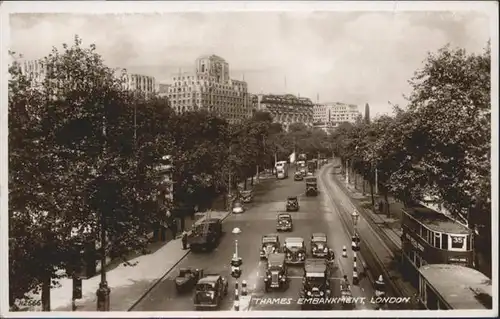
295 250
292 204
276 276
284 222
210 291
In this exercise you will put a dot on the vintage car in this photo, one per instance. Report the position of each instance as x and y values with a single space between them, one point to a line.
284 222
276 276
292 204
210 291
238 207
205 235
319 245
311 186
295 250
187 279
316 283
355 242
247 196
270 244
298 176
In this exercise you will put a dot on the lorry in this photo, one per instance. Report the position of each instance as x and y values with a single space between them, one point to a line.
205 235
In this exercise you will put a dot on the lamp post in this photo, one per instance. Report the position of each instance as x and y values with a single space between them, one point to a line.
236 262
103 291
355 237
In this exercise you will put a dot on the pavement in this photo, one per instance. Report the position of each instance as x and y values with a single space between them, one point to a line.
315 215
380 235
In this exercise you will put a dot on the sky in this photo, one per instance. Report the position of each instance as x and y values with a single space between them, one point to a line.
353 57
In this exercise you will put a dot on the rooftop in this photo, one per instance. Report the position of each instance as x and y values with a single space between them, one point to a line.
208 279
277 258
436 221
473 290
294 239
315 265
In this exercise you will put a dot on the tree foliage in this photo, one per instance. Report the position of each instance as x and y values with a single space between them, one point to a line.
439 145
73 159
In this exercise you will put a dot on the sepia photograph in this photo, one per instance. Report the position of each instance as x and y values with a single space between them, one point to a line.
249 158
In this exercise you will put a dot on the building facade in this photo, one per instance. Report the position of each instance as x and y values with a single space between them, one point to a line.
331 115
209 88
36 71
139 83
287 109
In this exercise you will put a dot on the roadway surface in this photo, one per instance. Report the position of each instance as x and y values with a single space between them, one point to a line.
316 214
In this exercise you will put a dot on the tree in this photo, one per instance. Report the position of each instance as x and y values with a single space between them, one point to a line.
71 150
451 105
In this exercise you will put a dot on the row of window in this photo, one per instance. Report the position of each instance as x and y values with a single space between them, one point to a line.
203 95
415 258
445 241
206 89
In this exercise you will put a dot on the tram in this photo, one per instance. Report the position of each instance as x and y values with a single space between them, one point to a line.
447 287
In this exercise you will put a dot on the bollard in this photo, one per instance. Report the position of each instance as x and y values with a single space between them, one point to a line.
236 305
354 265
244 288
355 278
344 251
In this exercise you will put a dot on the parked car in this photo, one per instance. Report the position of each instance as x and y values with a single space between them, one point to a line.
247 196
187 279
238 207
210 291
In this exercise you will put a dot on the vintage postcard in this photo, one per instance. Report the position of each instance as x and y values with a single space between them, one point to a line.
253 159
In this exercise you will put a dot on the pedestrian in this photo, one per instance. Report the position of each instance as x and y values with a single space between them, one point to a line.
345 283
184 240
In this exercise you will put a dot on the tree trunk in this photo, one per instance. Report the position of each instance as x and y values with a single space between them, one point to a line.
364 185
355 180
371 192
245 184
183 221
46 292
251 182
387 207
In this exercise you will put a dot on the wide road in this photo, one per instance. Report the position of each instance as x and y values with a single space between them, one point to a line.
260 219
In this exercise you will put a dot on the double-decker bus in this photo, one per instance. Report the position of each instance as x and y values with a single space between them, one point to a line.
446 287
430 237
282 169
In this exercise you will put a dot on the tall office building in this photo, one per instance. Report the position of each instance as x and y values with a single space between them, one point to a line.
209 88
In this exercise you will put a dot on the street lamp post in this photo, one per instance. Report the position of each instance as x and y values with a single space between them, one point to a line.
355 237
236 263
103 291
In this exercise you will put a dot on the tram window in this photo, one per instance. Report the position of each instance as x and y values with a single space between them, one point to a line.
457 242
430 238
444 244
423 232
437 240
